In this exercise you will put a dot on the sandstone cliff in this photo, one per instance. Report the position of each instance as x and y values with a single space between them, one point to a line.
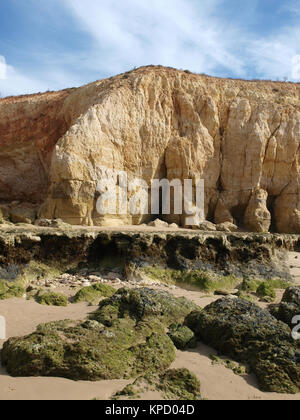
242 137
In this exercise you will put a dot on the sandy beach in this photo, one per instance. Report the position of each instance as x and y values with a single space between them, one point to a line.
217 382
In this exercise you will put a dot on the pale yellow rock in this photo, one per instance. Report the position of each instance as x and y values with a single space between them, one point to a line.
227 227
257 216
173 226
239 136
158 224
206 227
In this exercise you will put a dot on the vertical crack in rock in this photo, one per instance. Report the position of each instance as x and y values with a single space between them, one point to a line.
239 136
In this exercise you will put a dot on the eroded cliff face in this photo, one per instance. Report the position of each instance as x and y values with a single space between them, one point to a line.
241 137
30 126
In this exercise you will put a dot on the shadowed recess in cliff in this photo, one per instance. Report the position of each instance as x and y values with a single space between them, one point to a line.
241 137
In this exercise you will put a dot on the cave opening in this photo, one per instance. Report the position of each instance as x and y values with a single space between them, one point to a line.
238 213
271 206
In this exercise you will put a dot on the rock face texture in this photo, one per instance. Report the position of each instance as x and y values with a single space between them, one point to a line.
241 137
236 254
30 126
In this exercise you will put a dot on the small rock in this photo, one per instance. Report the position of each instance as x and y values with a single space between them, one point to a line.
227 227
158 224
86 283
23 215
206 227
56 223
95 279
173 226
226 292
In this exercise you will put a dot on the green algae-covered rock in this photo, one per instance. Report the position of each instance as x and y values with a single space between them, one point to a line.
10 290
289 306
93 293
243 331
180 384
182 337
142 305
51 299
173 384
266 292
252 285
88 351
292 295
130 341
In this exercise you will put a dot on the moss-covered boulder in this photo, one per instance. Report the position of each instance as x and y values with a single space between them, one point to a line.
289 306
251 284
180 384
292 295
244 332
51 299
143 305
182 337
266 292
124 338
174 384
10 290
89 351
94 293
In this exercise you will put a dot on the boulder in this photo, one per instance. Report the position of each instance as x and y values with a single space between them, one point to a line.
89 351
289 307
243 331
206 227
144 304
257 216
227 227
182 337
55 223
23 215
160 224
125 337
173 226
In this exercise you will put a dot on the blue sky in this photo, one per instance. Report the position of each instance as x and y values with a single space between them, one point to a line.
53 44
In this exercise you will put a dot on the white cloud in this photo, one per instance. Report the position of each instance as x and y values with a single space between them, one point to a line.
2 68
274 57
186 34
176 33
202 36
291 6
16 83
53 77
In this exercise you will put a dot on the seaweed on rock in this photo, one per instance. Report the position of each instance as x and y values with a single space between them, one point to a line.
130 341
243 331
